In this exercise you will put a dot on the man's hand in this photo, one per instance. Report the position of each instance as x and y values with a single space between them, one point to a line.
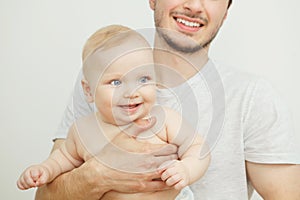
125 153
114 168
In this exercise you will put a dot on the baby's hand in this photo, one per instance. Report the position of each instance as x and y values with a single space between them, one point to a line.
33 176
175 174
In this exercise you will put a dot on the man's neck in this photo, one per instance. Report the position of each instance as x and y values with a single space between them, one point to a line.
174 68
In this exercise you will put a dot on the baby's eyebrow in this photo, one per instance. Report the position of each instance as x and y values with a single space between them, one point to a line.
112 75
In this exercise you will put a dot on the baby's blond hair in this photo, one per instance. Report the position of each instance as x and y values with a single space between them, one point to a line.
105 46
100 37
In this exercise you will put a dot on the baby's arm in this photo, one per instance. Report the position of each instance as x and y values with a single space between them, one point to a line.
60 161
190 167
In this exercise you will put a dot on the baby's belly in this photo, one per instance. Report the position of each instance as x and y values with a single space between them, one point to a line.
165 195
94 147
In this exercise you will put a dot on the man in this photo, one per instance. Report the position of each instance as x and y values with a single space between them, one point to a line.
254 148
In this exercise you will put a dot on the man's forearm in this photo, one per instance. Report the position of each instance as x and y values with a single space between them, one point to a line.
93 179
80 183
275 181
76 184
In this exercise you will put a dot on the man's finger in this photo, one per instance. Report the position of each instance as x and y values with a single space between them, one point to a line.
163 149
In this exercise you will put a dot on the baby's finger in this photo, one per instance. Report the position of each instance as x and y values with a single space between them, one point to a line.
173 180
35 174
43 179
165 165
20 184
181 184
29 179
23 183
168 173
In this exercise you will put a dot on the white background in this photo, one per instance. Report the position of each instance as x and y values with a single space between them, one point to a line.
40 51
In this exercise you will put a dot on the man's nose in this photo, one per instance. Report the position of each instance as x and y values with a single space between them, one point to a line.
194 6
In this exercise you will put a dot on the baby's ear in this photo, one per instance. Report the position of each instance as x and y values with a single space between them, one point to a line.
87 91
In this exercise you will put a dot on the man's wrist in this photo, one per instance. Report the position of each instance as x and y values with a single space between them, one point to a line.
90 179
81 183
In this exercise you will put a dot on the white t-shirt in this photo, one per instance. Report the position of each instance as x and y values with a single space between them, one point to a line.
241 117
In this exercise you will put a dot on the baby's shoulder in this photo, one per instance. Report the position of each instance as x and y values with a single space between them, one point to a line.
88 119
166 116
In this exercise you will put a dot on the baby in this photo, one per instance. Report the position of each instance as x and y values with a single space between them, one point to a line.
119 80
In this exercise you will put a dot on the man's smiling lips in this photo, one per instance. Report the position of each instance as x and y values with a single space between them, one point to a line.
188 24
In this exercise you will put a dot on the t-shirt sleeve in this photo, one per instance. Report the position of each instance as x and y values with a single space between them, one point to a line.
268 129
76 108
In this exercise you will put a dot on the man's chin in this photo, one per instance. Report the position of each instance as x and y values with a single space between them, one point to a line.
179 42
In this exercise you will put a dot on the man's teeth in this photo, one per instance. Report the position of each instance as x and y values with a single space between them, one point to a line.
187 23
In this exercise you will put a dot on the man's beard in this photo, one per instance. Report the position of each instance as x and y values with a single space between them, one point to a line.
172 39
181 42
188 45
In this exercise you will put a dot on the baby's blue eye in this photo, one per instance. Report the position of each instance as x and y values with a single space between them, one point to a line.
115 82
144 79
